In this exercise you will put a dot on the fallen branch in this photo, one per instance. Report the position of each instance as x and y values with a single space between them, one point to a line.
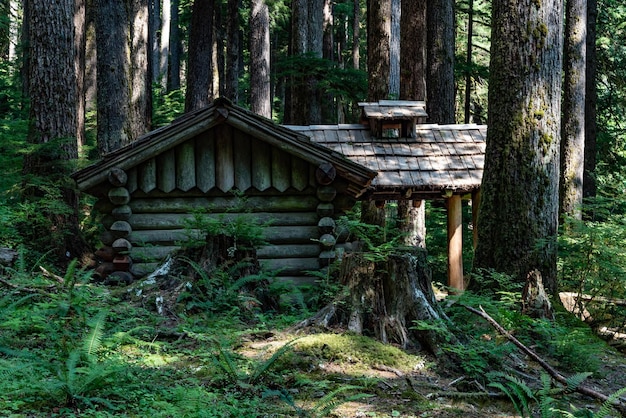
618 404
22 288
48 274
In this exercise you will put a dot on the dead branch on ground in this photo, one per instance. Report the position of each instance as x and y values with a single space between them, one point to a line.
618 404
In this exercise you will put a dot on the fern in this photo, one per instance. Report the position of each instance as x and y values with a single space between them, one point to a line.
93 340
330 401
262 368
517 391
607 410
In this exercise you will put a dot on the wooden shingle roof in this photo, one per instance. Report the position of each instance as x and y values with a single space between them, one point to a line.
440 159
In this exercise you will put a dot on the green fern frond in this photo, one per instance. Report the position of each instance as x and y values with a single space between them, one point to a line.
93 340
265 366
575 380
330 401
224 360
607 410
197 268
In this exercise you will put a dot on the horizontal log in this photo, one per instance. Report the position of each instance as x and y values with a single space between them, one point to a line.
288 251
297 281
290 266
180 220
273 234
152 253
159 252
223 204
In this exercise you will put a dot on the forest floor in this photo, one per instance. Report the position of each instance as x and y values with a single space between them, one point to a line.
417 389
186 356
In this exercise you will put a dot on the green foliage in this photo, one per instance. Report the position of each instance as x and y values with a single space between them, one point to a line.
592 259
238 223
167 106
548 400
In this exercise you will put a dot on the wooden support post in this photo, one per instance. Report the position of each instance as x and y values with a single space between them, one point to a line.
455 243
475 208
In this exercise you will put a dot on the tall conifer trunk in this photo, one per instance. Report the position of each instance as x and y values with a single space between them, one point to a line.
518 218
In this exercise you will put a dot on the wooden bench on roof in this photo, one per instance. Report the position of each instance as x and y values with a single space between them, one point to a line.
422 162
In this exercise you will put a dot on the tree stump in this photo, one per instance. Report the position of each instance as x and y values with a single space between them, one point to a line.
384 299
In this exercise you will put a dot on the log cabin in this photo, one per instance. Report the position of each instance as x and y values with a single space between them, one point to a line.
223 161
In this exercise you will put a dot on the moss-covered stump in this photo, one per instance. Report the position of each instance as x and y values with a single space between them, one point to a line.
385 297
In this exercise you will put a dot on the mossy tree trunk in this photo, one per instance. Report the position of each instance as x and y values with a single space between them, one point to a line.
518 218
573 126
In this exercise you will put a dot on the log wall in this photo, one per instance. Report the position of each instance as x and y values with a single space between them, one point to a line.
223 174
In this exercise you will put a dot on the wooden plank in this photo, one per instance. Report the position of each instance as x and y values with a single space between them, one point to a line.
261 166
186 166
166 171
142 221
132 184
273 234
151 254
284 203
147 176
288 251
224 160
281 167
299 173
243 161
205 161
290 266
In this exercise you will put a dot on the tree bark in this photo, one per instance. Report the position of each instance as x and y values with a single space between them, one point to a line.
80 33
113 87
413 53
260 99
518 217
199 68
378 38
53 123
573 124
440 40
173 79
141 87
231 83
394 50
384 300
166 11
591 99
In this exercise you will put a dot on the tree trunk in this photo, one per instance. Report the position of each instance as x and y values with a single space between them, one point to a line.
80 33
440 39
384 300
591 99
260 59
378 38
53 124
155 23
199 68
315 46
356 33
573 124
141 87
173 80
394 50
518 217
113 70
298 110
412 214
412 222
468 63
165 42
413 53
231 83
